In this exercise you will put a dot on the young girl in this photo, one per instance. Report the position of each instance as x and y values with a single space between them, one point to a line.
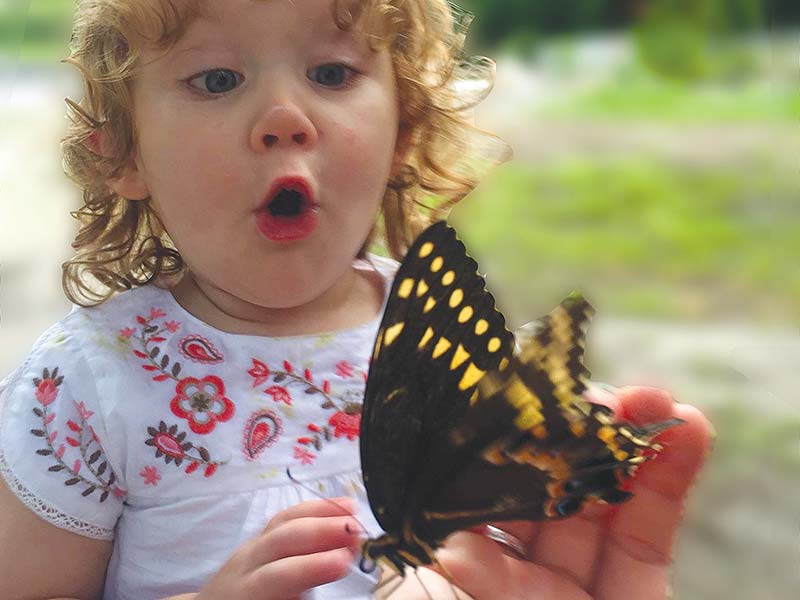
235 158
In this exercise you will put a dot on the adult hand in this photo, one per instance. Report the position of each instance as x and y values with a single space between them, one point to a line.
603 553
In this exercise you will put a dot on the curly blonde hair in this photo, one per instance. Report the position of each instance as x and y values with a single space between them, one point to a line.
122 244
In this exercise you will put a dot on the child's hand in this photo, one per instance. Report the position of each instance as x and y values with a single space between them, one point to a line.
309 544
606 552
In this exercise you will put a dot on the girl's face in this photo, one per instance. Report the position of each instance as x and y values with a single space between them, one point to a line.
258 96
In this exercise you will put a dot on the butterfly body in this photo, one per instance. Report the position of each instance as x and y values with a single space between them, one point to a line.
458 428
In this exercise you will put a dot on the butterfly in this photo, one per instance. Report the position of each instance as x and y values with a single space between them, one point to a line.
460 428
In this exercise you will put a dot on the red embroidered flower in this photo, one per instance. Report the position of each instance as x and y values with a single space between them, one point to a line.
202 402
259 372
127 332
172 326
305 457
83 411
150 475
279 394
344 424
344 369
46 391
157 313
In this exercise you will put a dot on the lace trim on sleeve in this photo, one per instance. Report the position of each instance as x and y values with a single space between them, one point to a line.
47 512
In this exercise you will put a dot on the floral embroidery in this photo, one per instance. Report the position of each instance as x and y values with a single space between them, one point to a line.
173 447
91 471
345 422
202 402
344 369
279 394
199 349
304 456
262 430
150 475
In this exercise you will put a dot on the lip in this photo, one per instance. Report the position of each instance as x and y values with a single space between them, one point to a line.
281 229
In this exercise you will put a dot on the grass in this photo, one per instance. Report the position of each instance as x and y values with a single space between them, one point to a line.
645 238
663 100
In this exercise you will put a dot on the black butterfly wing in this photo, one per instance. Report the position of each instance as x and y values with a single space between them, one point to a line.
440 333
535 449
510 412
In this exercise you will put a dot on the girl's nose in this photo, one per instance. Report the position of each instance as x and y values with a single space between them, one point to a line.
283 125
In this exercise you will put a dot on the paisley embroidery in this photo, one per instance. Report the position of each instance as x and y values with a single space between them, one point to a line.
200 350
173 447
262 430
345 420
202 402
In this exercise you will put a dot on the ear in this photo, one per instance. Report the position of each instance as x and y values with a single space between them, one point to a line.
129 183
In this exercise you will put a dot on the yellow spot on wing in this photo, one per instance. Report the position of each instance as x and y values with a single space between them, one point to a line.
526 402
493 345
425 249
429 304
393 332
422 288
404 291
459 357
465 314
437 263
448 278
481 326
471 376
378 345
425 338
442 346
456 298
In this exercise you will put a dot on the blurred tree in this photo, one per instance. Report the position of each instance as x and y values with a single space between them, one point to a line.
501 19
693 39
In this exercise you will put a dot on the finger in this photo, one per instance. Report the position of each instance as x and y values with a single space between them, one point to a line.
293 575
328 507
636 557
306 535
499 575
571 546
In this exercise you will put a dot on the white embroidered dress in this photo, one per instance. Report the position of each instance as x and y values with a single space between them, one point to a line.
137 422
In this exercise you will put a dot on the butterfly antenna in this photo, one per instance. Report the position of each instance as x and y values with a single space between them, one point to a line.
394 577
318 495
425 588
446 575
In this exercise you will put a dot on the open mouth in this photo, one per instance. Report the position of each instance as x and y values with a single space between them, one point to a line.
288 203
290 214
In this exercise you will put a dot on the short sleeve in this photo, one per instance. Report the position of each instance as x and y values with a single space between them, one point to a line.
52 440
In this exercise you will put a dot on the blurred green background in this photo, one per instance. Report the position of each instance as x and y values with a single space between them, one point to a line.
656 169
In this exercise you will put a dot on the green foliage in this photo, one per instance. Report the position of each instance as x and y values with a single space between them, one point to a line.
690 40
641 236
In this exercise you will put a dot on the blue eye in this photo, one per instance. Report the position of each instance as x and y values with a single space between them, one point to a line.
217 81
333 75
